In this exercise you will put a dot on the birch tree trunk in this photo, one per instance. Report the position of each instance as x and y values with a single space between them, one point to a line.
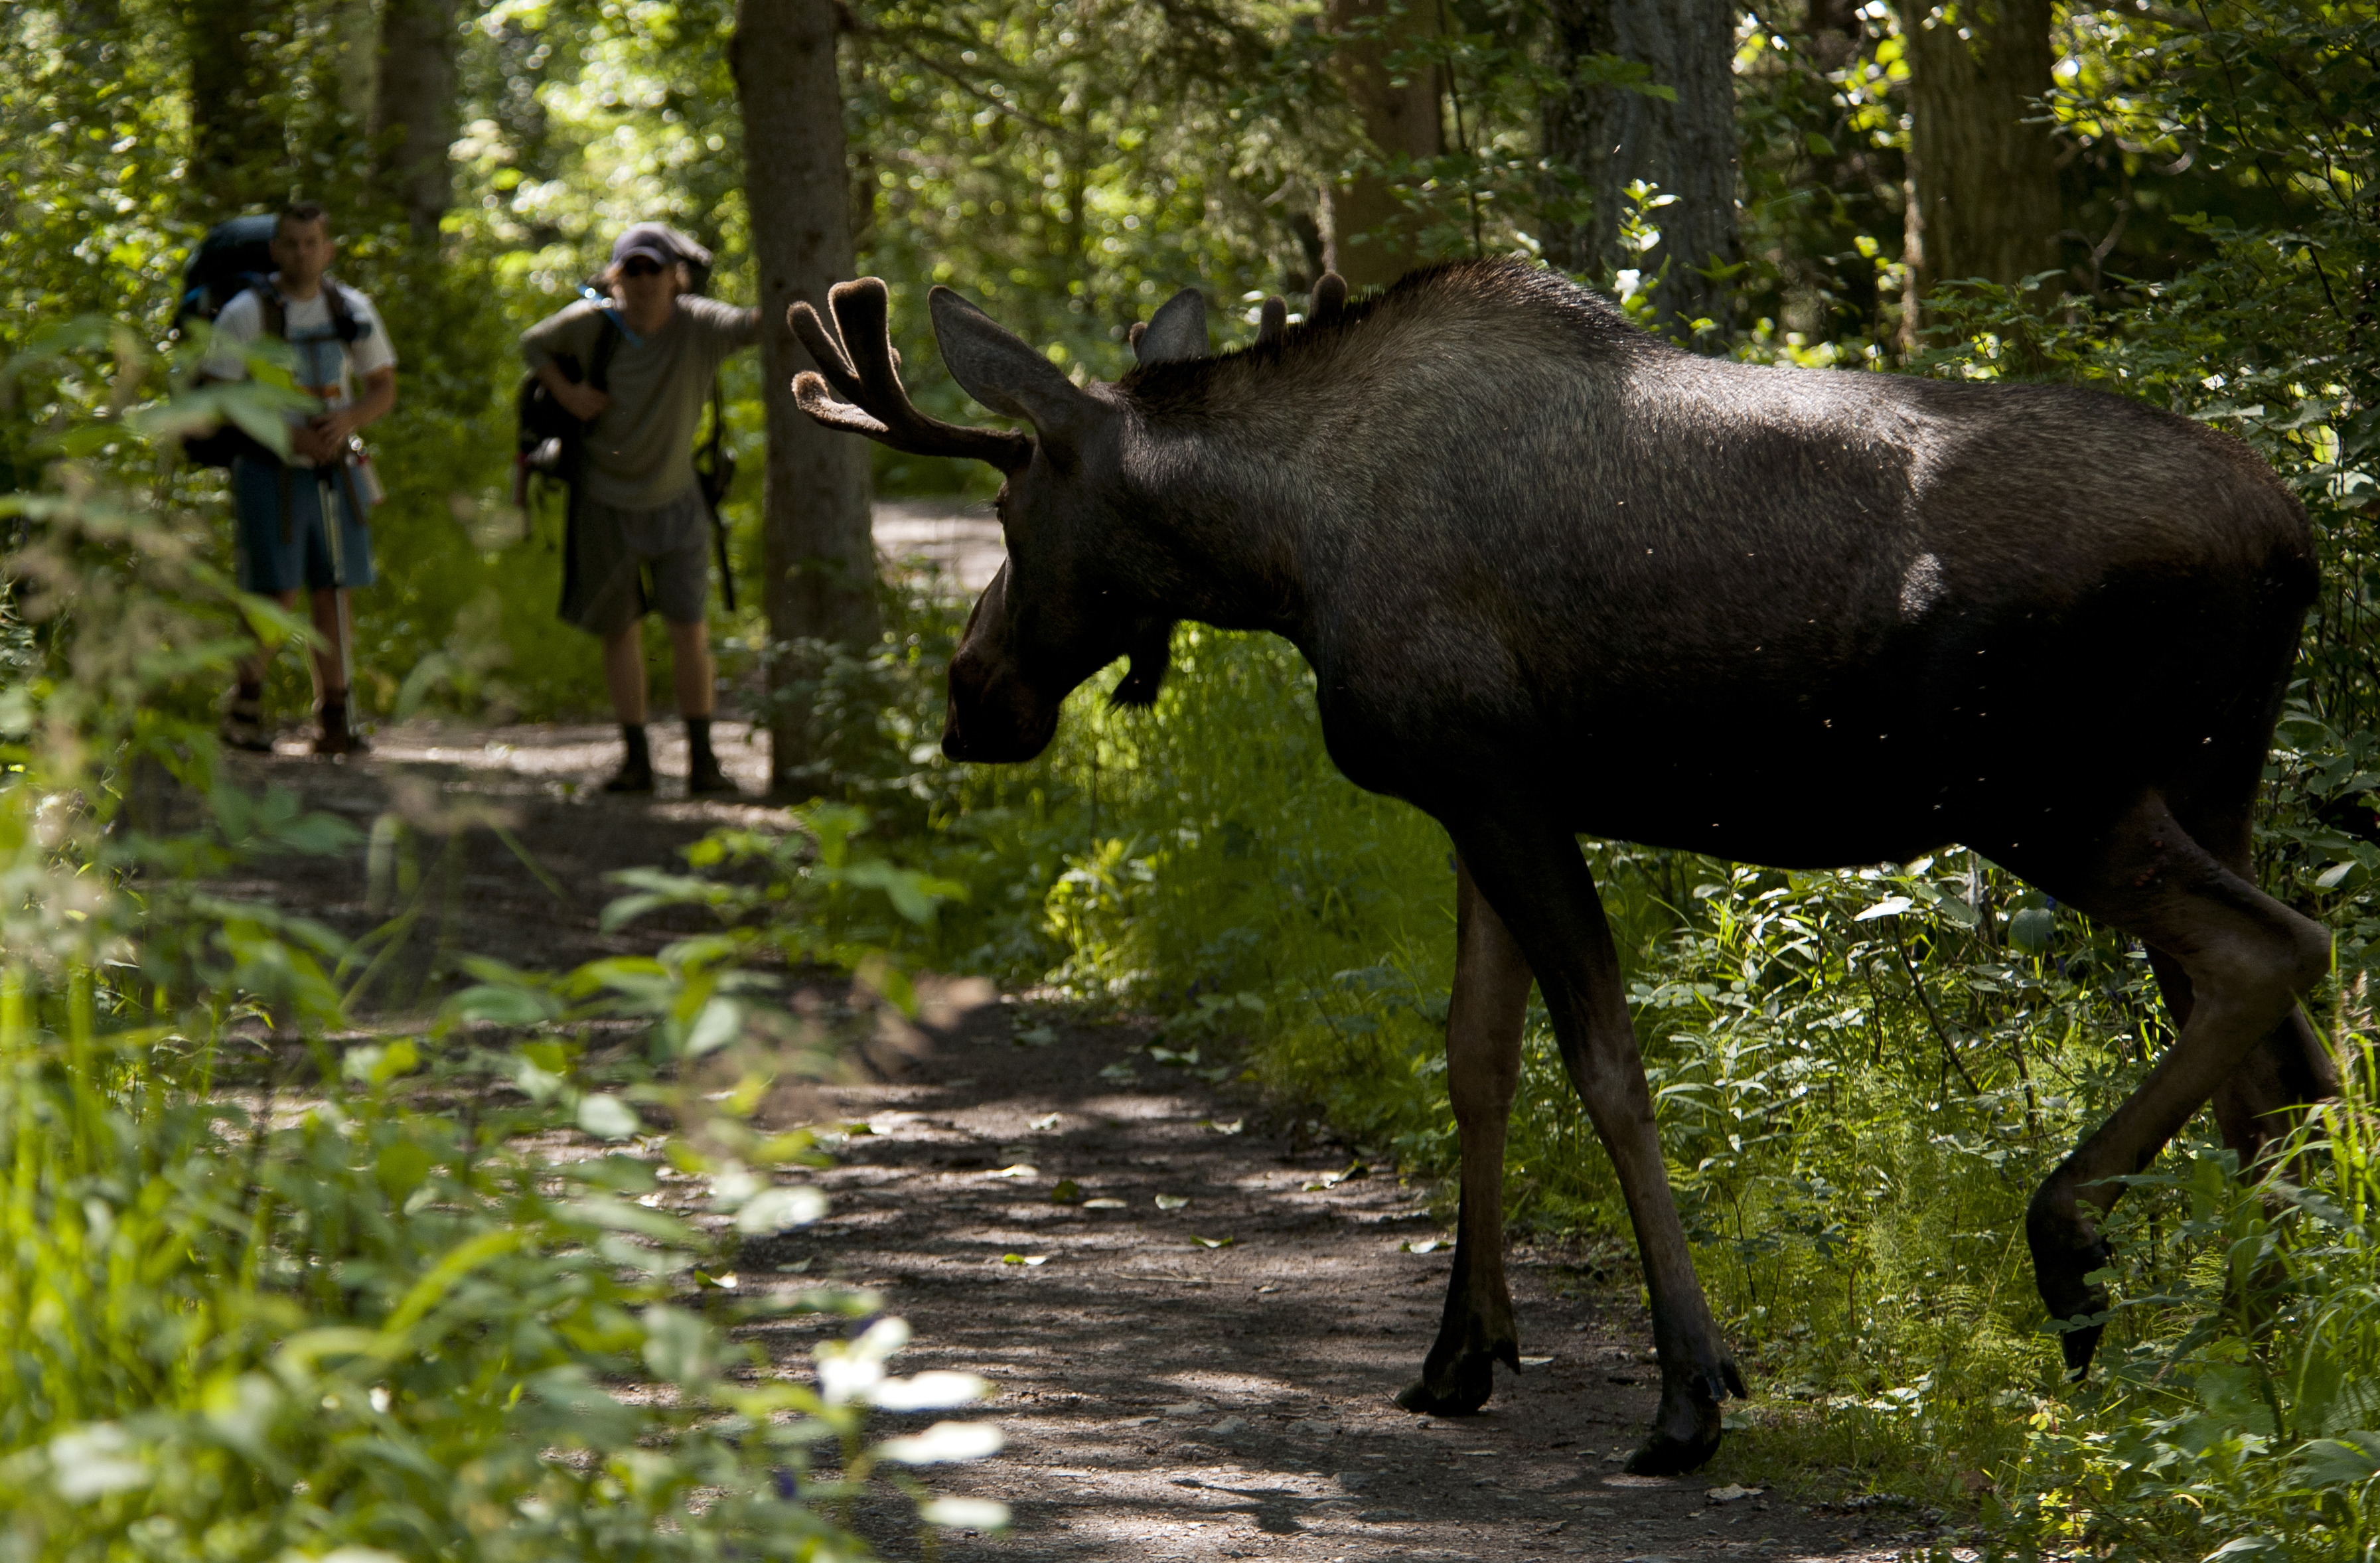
1983 182
1612 135
818 554
1369 235
414 105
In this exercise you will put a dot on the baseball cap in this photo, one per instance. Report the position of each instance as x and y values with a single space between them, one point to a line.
651 240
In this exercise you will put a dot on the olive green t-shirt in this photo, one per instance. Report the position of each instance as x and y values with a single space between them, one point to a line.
641 450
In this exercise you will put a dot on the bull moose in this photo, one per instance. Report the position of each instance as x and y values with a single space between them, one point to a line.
1510 532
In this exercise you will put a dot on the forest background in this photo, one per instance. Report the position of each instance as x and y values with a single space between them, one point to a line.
1861 1075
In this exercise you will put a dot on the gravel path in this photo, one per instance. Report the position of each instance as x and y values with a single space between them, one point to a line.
1165 1398
1195 1347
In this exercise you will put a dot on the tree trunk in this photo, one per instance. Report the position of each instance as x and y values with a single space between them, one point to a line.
1611 137
237 158
355 34
414 108
1369 235
1983 183
818 551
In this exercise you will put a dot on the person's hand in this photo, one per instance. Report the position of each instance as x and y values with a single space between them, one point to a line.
333 430
310 440
582 401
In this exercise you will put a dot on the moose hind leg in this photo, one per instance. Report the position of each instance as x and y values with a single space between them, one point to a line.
2246 957
1483 1066
2290 1069
1537 880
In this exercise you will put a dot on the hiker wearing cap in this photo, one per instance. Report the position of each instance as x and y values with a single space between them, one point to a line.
302 520
639 528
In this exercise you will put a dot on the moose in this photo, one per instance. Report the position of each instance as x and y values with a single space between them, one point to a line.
1510 531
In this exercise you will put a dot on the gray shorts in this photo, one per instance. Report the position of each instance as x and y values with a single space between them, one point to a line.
613 552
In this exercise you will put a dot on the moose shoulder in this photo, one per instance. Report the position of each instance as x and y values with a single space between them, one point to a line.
1514 537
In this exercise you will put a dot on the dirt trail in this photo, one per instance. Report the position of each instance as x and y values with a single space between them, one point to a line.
1162 1399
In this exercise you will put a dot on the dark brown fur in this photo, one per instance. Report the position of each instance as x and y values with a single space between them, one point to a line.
1555 577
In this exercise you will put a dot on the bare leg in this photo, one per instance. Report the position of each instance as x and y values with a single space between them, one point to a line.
1535 877
623 674
2246 959
690 667
1483 1067
332 656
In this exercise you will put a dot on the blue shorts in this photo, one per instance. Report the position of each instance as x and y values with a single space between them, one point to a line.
283 543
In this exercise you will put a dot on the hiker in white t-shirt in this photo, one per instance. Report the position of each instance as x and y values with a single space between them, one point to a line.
303 522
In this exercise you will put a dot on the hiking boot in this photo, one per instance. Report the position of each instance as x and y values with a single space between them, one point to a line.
245 733
337 737
243 722
634 775
704 777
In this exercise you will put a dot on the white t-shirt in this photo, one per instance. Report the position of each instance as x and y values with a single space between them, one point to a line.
327 368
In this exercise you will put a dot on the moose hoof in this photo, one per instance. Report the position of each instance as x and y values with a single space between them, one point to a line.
1664 1454
1686 1429
2065 1251
1458 1388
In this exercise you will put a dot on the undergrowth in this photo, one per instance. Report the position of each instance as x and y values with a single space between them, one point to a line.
276 1287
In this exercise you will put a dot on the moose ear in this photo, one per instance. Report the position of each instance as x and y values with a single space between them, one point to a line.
1177 330
1007 374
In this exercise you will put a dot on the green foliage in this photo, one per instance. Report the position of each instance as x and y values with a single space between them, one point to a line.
360 1318
267 1296
1861 1075
2242 1425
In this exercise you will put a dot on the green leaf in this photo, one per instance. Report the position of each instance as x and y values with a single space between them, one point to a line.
2033 928
501 1006
720 1022
2242 1547
400 1169
678 1345
780 1207
608 1118
971 1514
2348 1460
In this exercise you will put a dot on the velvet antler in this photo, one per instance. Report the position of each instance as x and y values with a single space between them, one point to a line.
1330 298
856 385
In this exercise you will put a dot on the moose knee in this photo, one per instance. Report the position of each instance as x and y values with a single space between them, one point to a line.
2288 956
2311 946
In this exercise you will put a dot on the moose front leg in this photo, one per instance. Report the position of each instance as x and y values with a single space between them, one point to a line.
1483 1066
1535 877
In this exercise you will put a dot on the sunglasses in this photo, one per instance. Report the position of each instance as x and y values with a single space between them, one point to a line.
640 267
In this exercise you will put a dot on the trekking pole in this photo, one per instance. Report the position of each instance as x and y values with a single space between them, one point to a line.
719 546
327 499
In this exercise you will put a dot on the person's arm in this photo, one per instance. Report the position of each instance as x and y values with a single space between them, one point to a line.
568 330
579 399
729 326
328 431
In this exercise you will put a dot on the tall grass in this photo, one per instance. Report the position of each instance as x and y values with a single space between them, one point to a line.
2244 1418
273 1289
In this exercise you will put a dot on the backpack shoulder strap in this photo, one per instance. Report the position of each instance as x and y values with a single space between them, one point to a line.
272 311
346 323
607 342
711 447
